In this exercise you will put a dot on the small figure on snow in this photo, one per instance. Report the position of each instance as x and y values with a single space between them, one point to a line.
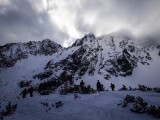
88 89
102 87
23 93
81 85
76 88
112 87
30 90
98 86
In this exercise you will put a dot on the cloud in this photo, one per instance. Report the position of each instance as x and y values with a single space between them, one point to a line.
137 16
23 21
106 16
68 20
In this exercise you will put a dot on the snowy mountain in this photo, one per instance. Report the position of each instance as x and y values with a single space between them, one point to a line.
11 53
107 57
113 58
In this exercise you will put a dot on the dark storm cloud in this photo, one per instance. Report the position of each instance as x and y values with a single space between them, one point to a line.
20 21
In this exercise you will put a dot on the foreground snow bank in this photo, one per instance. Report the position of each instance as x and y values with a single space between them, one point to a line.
98 106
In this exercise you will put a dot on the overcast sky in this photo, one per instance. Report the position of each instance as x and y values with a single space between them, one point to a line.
63 21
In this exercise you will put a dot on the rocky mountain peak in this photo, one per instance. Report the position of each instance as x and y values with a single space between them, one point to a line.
87 39
12 52
107 56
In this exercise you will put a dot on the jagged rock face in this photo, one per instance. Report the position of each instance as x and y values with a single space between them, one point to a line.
10 53
112 55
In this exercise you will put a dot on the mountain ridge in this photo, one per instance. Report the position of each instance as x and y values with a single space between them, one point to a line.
12 52
112 55
101 55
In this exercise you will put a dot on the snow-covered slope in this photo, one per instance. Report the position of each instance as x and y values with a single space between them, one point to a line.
22 70
109 58
98 106
20 61
113 58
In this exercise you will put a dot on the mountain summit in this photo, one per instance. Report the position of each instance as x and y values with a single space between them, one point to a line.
108 55
108 58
